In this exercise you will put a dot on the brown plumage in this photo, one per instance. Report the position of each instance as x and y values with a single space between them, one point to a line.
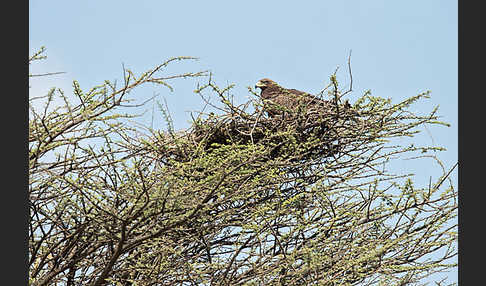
279 100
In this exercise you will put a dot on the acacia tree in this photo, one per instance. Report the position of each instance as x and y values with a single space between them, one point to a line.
237 199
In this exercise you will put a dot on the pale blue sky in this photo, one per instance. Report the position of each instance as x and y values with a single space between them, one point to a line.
399 48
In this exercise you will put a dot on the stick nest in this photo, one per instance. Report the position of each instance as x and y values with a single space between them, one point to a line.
295 136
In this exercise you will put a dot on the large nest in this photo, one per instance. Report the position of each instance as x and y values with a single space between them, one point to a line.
300 135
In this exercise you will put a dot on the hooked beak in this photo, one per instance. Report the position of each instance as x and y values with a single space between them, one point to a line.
259 84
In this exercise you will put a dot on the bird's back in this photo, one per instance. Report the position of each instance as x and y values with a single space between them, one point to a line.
291 100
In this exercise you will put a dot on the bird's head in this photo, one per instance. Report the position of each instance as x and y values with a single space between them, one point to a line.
264 83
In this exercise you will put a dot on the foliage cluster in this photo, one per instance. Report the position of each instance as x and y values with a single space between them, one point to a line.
237 199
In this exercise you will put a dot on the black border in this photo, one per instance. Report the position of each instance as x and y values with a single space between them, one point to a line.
14 210
470 113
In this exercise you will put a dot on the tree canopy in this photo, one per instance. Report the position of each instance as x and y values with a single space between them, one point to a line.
239 198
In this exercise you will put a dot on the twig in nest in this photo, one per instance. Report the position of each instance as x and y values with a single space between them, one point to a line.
350 76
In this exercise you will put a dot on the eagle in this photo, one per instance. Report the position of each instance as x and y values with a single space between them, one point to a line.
278 100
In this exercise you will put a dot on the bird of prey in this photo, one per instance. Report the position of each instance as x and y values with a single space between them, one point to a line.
278 100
